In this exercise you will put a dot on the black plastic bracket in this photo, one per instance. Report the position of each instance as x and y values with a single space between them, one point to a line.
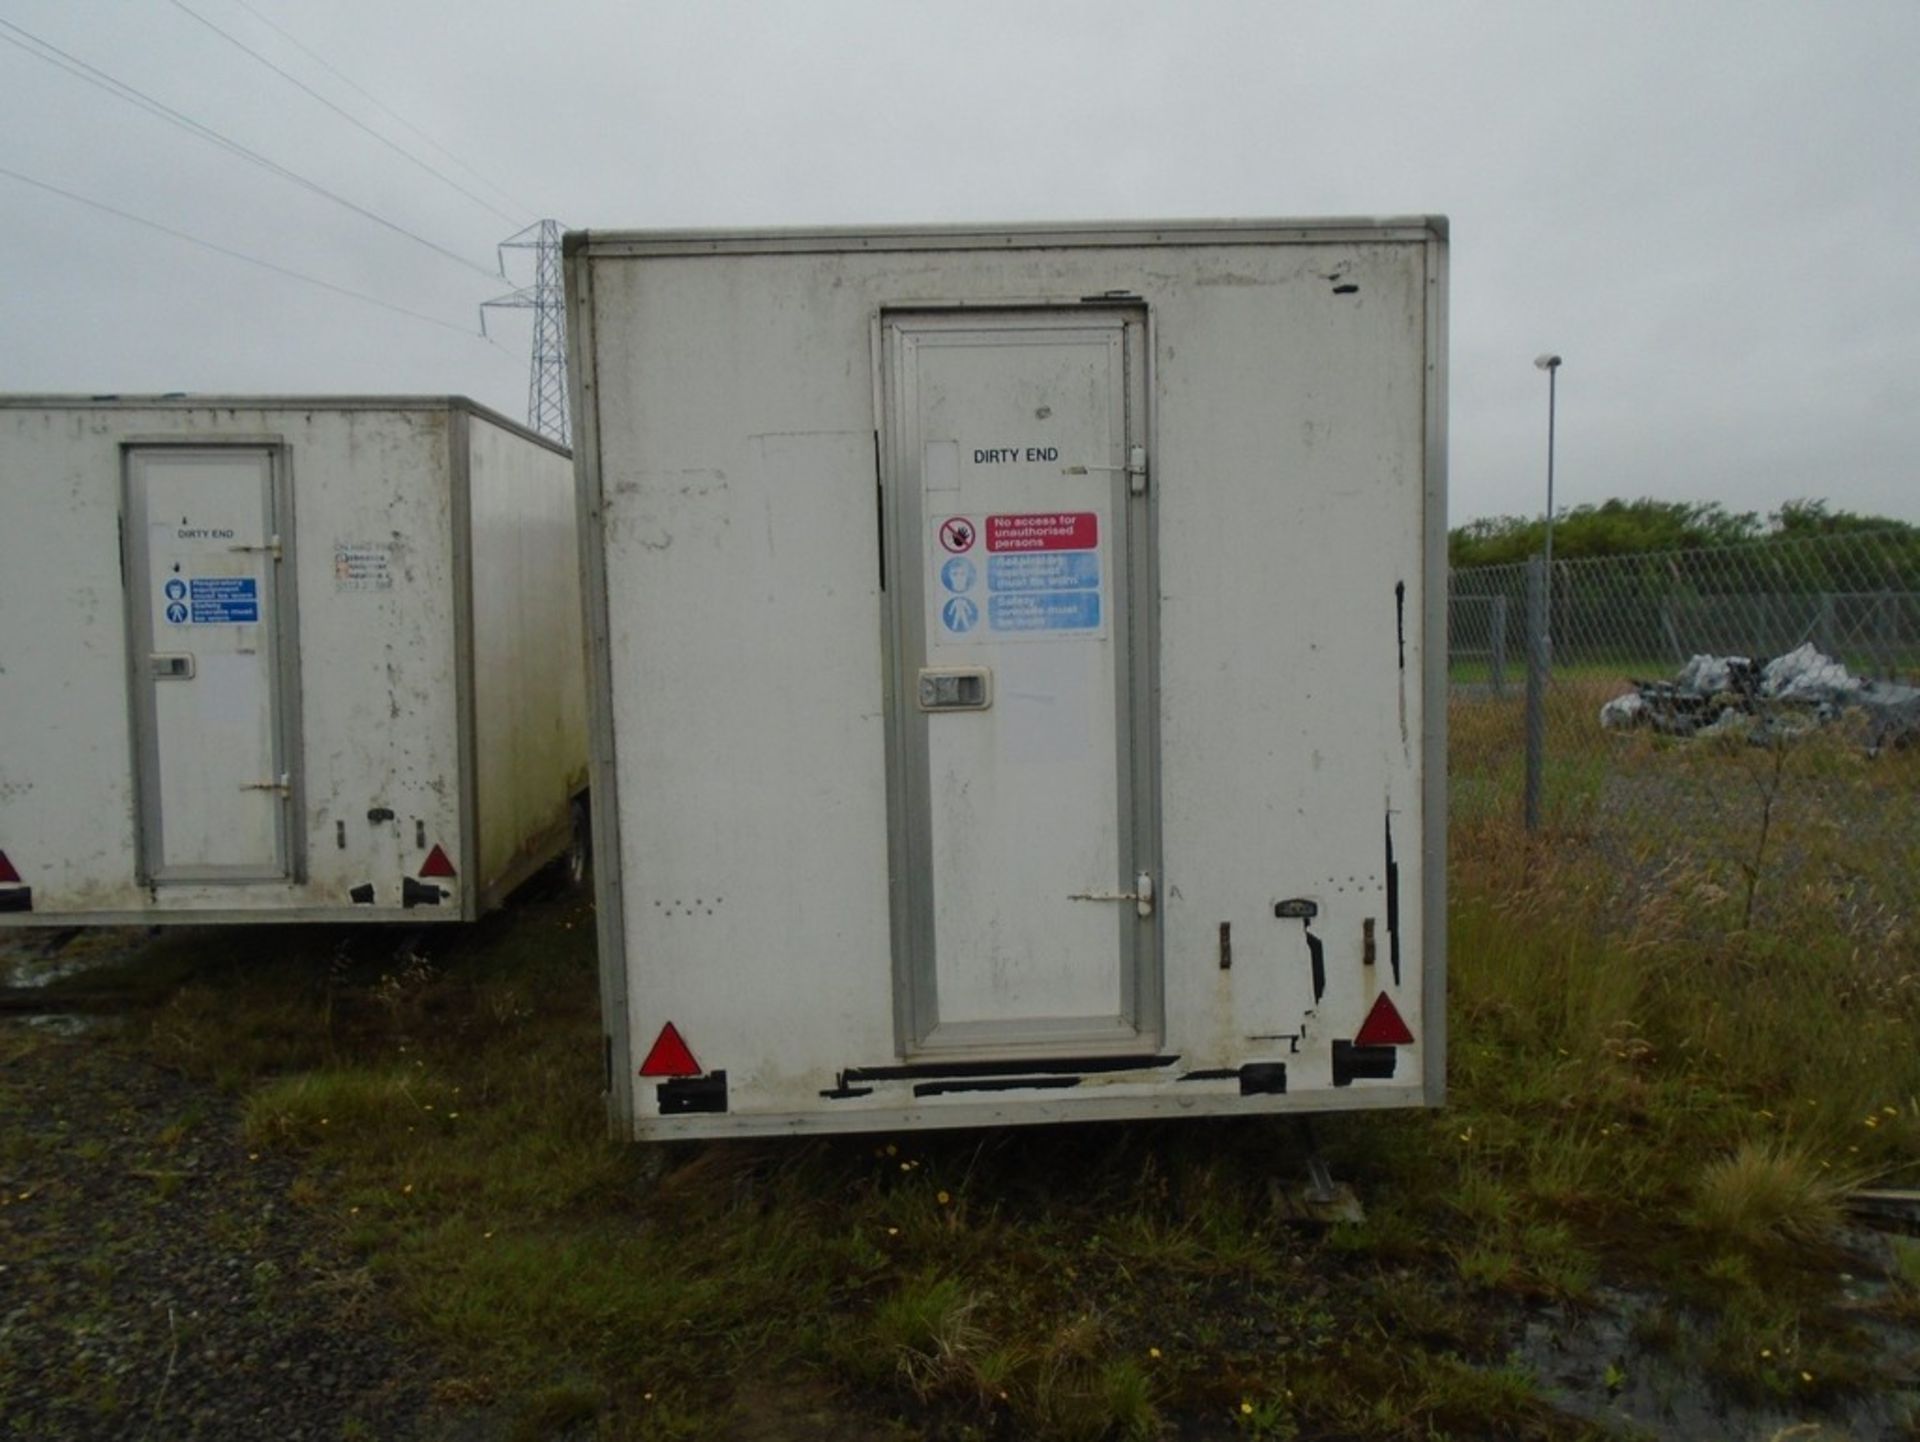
16 898
417 893
693 1094
1362 1063
1263 1078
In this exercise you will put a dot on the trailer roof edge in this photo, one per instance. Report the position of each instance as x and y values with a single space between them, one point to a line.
1026 236
227 400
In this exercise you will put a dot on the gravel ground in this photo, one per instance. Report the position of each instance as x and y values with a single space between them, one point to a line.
159 1281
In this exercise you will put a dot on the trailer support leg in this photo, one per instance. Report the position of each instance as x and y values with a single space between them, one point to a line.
1322 1200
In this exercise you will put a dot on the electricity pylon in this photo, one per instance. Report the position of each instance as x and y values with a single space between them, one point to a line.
546 298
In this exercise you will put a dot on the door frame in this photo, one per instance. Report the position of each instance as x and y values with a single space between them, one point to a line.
1135 627
283 671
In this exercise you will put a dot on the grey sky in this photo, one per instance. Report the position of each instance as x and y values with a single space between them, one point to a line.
1710 210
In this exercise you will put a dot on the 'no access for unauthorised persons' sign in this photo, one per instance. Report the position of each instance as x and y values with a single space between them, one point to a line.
1046 531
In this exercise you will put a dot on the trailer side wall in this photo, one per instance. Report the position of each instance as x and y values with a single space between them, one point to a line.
529 669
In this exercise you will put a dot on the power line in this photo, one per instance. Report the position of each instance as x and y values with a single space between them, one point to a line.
344 114
120 90
381 105
219 249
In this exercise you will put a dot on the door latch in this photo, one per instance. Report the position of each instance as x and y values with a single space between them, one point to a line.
1135 468
1141 896
284 785
271 547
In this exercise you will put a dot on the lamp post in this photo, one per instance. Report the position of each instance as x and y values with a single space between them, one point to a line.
1551 365
1540 628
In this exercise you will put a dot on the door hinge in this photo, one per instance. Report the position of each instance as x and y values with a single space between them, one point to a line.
1141 896
284 785
1135 468
271 546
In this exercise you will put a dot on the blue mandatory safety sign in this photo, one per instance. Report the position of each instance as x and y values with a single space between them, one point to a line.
959 574
224 600
176 589
1044 571
1042 611
177 612
960 615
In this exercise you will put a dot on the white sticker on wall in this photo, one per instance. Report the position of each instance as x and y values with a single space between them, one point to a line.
362 566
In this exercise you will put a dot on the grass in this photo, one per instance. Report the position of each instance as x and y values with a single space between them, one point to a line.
1657 1091
1767 1195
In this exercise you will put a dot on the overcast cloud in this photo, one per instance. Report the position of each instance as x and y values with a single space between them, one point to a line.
1710 210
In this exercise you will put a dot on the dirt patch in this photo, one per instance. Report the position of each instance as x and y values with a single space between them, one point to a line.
159 1280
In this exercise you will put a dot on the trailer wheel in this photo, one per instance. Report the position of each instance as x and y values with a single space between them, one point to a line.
580 849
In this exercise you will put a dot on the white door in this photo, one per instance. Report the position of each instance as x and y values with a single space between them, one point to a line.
204 552
1022 810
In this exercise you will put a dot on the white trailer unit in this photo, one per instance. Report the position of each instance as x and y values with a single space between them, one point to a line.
273 659
1017 670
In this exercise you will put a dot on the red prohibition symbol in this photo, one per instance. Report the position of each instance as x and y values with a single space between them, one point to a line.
957 534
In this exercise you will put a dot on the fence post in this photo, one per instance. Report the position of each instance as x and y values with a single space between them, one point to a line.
1536 685
1887 633
1497 624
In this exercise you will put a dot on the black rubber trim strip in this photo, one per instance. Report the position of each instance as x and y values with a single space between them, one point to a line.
1393 904
1039 1066
1219 1073
996 1084
842 1093
1399 604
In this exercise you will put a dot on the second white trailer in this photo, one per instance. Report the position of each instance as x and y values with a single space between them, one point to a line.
273 659
1018 660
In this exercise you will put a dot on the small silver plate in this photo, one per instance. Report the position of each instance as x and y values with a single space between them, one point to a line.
956 688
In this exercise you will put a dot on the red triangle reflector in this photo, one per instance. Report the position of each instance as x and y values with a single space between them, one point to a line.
8 876
437 864
1383 1026
669 1056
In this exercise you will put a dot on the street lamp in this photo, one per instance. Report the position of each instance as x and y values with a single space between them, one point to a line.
1540 636
1551 365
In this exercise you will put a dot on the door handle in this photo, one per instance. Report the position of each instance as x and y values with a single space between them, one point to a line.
270 547
1141 896
1135 469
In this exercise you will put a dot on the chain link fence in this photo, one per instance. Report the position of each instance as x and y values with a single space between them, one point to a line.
1740 726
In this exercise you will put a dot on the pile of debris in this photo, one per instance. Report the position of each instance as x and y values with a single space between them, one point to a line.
1765 700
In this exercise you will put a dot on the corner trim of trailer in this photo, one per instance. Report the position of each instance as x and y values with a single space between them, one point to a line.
610 920
466 724
1433 921
832 239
